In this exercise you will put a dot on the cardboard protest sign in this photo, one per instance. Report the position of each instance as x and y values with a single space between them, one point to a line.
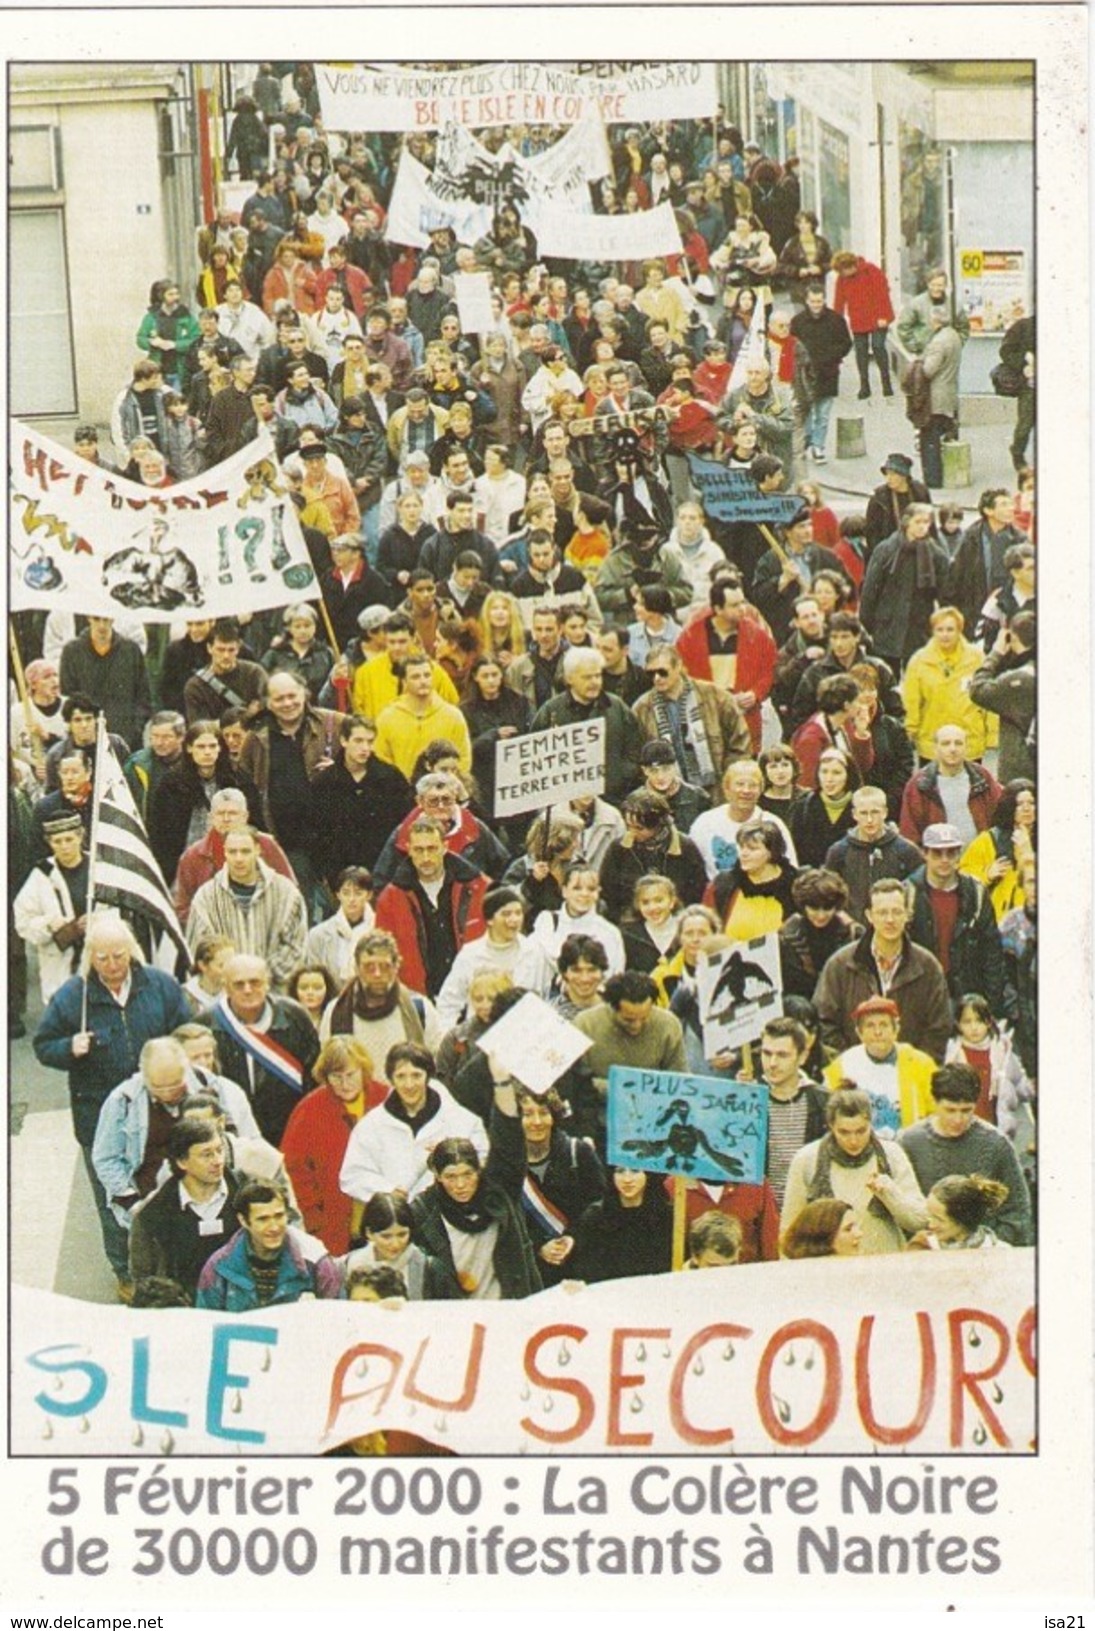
691 1126
535 1043
905 1355
740 989
732 495
473 302
82 540
549 767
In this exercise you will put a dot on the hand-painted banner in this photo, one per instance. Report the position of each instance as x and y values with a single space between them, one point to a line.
357 96
549 767
692 1126
468 183
567 236
740 989
467 173
220 544
732 495
416 209
914 1354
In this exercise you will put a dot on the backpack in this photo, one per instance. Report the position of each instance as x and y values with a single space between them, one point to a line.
917 388
1007 381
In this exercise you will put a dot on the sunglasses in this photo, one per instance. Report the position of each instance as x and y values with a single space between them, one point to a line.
655 673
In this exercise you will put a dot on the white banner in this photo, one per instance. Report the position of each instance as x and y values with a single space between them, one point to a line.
567 236
414 208
223 543
562 172
356 96
534 1042
916 1354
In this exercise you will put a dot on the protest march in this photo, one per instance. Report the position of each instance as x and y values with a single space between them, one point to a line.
508 807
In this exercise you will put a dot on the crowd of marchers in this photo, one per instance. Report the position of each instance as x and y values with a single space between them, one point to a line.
821 730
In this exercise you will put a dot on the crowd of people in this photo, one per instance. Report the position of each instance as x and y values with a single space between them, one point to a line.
821 731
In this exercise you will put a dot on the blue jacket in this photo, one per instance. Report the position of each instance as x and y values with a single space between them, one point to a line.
155 1006
122 1133
304 1269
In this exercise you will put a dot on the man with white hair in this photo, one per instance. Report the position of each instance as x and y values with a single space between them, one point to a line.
760 401
585 699
94 1028
136 1119
416 477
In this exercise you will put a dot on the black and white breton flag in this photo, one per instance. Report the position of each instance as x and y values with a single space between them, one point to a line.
124 872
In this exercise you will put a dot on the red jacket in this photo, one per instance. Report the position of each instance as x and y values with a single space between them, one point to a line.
204 860
398 910
754 1206
921 804
864 298
711 380
695 425
811 740
357 286
756 660
313 1144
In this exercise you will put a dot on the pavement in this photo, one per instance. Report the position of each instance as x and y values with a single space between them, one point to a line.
56 1244
846 484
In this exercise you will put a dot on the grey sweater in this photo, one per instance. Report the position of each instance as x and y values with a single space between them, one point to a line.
980 1149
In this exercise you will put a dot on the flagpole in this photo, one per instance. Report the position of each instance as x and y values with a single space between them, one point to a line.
327 624
102 748
37 746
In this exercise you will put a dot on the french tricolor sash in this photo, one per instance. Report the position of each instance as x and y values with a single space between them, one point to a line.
262 1048
533 1200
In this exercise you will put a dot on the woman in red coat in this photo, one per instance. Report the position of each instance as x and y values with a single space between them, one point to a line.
315 1139
290 278
862 296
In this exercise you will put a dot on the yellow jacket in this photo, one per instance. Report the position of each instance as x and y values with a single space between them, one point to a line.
914 1079
1007 892
376 686
935 696
402 735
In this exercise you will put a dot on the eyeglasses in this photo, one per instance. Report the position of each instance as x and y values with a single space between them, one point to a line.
659 673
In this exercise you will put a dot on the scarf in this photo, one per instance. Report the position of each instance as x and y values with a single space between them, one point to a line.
692 731
830 1153
350 1005
925 562
471 1217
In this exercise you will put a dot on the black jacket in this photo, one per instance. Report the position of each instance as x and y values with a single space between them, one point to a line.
616 1242
357 816
977 957
515 1261
272 1100
174 800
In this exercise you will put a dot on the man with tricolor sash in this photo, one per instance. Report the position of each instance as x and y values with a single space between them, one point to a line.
266 1044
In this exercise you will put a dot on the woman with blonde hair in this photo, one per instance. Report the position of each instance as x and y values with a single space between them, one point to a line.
318 1131
501 627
